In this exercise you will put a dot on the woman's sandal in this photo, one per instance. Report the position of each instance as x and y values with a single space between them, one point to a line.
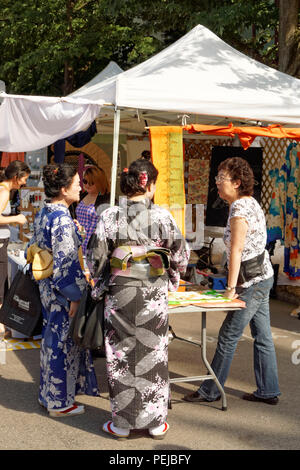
107 427
160 435
73 410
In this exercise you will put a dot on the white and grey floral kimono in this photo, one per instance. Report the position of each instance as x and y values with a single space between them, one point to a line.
65 369
136 311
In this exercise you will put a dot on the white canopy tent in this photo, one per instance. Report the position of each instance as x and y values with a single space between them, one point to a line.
111 70
199 74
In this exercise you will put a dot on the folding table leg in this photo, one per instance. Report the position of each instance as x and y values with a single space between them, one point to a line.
207 364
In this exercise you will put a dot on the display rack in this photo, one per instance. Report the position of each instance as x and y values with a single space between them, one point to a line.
31 202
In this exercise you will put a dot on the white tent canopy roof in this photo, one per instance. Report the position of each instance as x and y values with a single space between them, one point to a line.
201 74
109 71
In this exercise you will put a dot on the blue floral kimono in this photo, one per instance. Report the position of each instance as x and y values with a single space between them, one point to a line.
65 369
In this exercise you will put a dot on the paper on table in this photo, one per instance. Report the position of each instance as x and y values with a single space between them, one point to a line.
209 298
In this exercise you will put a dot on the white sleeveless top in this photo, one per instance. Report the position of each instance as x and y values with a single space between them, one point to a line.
4 228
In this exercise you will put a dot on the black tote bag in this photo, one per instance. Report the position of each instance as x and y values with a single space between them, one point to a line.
87 325
22 308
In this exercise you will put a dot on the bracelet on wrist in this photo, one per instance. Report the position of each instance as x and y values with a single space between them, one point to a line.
230 288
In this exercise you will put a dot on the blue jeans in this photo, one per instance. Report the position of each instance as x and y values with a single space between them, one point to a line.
256 313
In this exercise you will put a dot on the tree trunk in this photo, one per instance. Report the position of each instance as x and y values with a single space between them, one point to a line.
289 35
69 70
68 79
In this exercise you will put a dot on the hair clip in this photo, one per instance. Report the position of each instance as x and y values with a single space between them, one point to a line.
55 170
125 170
143 179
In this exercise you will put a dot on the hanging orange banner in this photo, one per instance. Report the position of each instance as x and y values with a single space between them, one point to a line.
167 156
246 134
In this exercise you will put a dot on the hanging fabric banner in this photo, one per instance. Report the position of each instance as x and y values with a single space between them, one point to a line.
283 217
246 134
31 123
167 156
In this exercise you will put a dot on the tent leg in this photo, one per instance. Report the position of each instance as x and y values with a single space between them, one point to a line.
115 157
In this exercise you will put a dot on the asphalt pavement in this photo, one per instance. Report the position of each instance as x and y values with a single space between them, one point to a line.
24 424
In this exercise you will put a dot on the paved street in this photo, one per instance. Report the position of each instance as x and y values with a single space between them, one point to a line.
244 426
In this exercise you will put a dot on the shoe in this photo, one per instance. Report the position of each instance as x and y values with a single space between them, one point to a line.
159 432
73 410
119 433
195 397
269 401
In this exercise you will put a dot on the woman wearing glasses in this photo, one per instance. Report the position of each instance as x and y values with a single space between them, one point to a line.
95 200
250 277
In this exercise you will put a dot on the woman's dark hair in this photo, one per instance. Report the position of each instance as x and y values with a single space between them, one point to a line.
16 168
138 177
239 169
146 154
56 177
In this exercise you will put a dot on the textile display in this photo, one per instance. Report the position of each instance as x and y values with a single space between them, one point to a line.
246 134
34 122
198 181
283 217
197 158
167 156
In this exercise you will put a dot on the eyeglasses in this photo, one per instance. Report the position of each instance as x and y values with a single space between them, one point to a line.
86 182
220 179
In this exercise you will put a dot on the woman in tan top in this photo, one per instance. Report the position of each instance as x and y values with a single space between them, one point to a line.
14 176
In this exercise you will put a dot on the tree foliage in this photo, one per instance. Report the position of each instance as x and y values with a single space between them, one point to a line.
53 47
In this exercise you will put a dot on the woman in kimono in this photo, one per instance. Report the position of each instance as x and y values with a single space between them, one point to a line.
65 369
141 248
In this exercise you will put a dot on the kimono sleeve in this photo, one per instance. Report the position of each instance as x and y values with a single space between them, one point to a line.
180 251
68 278
99 250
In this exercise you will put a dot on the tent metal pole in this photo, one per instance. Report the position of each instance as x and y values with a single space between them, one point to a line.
115 157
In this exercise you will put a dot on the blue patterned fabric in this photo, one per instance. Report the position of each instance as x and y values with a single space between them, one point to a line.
283 218
65 369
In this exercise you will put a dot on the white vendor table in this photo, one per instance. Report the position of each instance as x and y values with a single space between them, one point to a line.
201 344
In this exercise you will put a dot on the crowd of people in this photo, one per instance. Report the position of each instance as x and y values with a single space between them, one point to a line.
135 251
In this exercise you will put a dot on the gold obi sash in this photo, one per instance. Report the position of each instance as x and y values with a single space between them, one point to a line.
140 262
